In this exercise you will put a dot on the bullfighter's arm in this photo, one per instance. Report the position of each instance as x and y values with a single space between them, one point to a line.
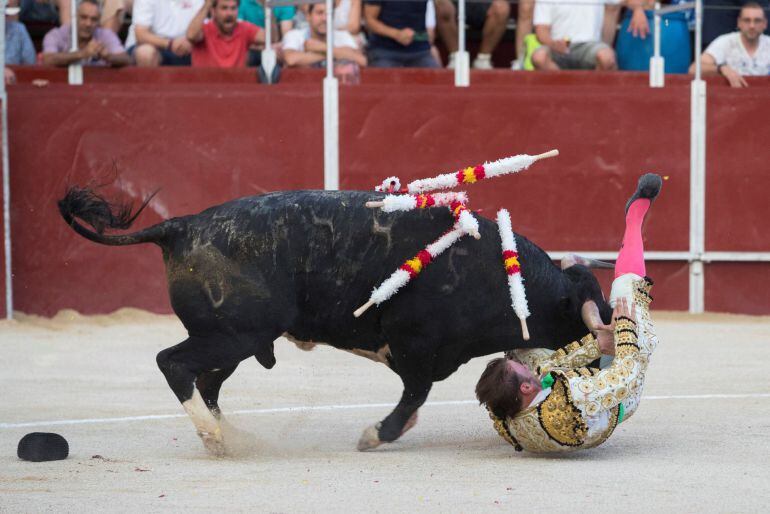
575 355
621 383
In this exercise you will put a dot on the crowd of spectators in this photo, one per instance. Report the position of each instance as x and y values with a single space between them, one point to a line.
550 34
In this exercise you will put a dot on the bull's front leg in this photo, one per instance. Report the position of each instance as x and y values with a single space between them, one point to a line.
415 371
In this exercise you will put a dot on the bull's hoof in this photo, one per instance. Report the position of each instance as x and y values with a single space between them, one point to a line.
370 438
214 443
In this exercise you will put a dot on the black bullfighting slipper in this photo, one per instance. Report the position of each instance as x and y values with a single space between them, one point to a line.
648 187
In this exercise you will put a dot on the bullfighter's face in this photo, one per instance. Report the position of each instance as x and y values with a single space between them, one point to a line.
529 384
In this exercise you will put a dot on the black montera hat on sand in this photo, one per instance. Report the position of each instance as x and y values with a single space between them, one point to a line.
42 446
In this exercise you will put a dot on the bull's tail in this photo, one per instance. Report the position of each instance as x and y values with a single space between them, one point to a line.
89 206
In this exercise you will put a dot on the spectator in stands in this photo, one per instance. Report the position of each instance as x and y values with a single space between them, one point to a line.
347 16
524 16
223 41
51 12
114 14
18 45
745 52
57 12
307 47
157 34
398 37
430 26
576 34
253 11
639 26
490 18
720 17
96 46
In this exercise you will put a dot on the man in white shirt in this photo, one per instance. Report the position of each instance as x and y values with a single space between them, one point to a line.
157 34
307 47
745 52
575 34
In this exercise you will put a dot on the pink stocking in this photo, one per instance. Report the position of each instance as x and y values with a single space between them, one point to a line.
631 256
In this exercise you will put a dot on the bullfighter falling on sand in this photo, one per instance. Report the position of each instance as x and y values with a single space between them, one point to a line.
543 401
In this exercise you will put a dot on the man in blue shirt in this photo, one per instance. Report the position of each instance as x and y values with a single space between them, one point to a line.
254 12
398 37
18 45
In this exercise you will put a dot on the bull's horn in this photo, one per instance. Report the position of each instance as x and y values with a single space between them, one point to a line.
572 259
590 314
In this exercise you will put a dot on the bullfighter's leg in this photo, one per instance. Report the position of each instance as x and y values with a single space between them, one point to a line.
184 363
630 261
415 372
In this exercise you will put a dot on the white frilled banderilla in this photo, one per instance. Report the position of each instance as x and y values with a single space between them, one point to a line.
417 195
513 270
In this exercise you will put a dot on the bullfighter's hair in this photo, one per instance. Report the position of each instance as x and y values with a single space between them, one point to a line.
498 389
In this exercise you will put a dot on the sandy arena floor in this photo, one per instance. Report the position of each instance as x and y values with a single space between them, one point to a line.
699 442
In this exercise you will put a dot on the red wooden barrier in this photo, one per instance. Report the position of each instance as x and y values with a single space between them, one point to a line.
225 136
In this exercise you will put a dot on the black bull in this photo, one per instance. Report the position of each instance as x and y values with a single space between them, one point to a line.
243 273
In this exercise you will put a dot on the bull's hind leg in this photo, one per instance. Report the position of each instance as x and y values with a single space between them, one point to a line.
209 385
415 371
213 357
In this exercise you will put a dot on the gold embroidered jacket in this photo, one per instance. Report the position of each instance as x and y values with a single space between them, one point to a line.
584 405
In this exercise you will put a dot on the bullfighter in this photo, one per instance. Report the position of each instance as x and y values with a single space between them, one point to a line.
543 401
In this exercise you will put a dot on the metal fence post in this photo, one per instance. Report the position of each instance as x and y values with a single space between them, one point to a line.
74 70
6 177
331 109
462 58
697 174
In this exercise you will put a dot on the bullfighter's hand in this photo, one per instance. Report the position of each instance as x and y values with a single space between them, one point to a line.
622 309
